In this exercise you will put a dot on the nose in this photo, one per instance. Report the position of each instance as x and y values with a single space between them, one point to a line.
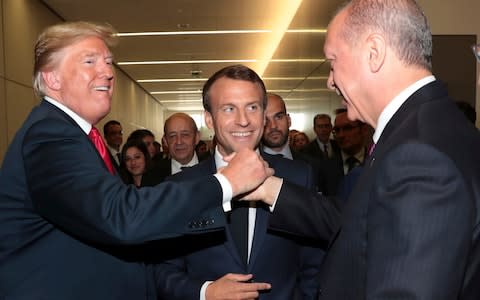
106 69
330 82
242 118
270 123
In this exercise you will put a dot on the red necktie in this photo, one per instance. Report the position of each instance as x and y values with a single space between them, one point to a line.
97 140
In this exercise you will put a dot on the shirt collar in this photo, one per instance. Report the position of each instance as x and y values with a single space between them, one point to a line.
285 151
395 104
86 127
177 166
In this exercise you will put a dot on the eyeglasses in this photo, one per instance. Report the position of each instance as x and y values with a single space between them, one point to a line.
476 51
346 128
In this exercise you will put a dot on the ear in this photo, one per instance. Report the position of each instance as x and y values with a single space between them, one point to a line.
376 47
52 80
289 120
197 137
208 119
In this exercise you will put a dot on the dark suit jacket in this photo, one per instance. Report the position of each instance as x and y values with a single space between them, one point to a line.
314 150
281 261
68 228
328 174
411 227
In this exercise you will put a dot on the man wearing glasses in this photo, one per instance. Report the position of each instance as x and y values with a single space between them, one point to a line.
350 137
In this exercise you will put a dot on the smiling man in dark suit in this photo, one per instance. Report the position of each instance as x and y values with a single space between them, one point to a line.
411 228
217 267
69 224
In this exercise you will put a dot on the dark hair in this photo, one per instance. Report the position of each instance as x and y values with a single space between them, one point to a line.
238 72
321 116
137 143
108 124
139 134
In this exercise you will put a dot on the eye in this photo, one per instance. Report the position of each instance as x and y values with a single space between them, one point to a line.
253 107
228 109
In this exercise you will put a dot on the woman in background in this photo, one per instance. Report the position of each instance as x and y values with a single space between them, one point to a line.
135 162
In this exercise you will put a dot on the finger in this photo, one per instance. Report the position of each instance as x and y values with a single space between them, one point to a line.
239 277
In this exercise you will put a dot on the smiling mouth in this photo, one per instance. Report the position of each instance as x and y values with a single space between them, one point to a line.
242 134
102 88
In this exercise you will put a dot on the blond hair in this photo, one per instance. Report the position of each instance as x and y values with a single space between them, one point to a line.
57 37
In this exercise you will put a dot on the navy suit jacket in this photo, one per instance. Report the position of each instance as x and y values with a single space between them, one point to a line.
69 230
290 266
411 228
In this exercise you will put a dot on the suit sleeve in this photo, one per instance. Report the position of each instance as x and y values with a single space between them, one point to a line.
172 280
419 226
305 214
70 187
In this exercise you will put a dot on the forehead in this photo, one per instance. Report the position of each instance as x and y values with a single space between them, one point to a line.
178 123
322 120
334 32
91 45
343 119
275 105
235 92
133 150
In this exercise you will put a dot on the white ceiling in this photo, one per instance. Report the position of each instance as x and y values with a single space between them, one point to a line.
301 83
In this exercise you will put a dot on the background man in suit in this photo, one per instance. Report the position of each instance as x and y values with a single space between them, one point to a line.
275 141
113 133
322 146
410 229
181 136
68 222
234 100
350 137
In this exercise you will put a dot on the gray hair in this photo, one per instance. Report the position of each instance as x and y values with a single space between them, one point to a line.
402 22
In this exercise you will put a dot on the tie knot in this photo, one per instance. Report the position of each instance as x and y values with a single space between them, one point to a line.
94 133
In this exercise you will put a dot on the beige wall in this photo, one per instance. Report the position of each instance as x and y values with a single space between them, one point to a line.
20 23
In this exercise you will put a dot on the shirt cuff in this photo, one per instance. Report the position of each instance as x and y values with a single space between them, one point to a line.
227 191
203 290
272 207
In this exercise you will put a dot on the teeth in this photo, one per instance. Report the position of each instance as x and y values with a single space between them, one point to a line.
101 88
241 134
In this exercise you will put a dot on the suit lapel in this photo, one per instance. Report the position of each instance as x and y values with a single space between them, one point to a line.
229 243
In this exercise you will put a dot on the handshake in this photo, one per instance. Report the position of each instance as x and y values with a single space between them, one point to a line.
250 177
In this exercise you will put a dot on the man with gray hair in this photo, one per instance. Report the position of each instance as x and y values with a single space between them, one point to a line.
411 228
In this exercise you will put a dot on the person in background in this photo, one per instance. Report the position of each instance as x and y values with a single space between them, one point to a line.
158 148
69 223
202 149
299 141
275 142
147 137
323 146
112 131
351 139
415 209
181 136
135 162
